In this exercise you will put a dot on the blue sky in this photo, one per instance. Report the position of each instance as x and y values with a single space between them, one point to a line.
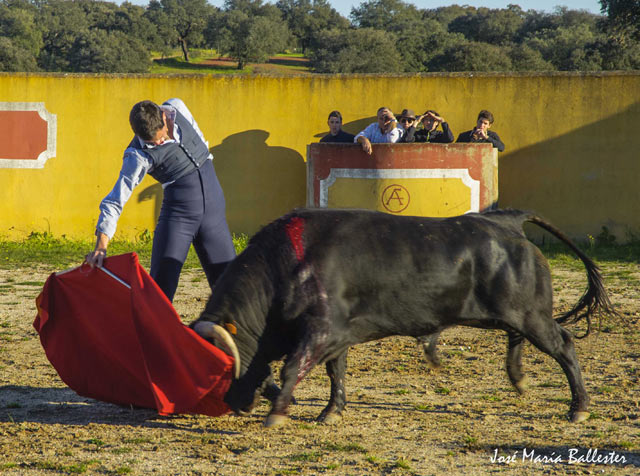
344 6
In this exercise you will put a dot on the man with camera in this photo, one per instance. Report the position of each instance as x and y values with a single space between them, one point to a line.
385 130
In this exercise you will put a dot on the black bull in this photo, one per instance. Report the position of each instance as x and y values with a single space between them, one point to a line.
315 282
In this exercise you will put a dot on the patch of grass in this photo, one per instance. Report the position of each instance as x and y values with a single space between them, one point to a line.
77 468
305 426
13 405
491 398
401 391
601 248
442 390
424 408
96 441
38 284
605 389
177 65
121 451
59 253
137 441
627 445
401 464
123 470
313 457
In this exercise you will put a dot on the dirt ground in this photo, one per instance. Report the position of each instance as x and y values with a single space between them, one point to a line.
401 418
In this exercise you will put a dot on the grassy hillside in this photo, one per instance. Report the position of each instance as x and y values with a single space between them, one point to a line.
209 62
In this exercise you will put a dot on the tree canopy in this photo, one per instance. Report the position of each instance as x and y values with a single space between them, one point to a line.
379 35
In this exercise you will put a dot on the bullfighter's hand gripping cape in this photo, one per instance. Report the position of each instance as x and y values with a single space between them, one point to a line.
111 334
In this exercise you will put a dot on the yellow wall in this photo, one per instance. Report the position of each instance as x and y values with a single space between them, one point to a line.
573 142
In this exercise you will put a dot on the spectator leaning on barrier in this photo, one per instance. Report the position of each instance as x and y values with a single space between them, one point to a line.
385 130
430 121
336 134
408 122
481 132
169 146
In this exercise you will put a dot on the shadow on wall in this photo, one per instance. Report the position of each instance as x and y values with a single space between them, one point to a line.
582 180
352 127
153 192
260 182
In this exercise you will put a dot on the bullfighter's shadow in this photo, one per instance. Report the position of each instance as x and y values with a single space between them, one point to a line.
261 182
54 405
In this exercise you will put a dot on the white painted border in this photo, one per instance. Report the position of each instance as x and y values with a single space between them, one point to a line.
52 129
462 174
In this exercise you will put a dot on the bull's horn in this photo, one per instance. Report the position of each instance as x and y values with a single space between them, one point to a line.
221 336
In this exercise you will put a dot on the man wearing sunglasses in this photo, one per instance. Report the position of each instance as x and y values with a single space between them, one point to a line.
408 124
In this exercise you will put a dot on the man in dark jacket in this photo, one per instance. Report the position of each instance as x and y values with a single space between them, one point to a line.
336 134
481 132
430 121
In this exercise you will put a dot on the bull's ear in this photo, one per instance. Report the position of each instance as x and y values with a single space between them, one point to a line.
231 328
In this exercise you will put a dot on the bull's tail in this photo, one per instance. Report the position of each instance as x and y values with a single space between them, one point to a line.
595 298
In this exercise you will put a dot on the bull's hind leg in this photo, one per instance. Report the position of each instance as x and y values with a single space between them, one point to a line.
429 346
514 362
337 401
554 340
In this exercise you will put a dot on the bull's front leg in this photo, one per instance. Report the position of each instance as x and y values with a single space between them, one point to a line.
296 366
338 400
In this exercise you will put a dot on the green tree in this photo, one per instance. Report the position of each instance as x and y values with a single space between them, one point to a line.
248 31
569 48
495 26
363 50
473 56
20 37
525 58
180 22
623 16
101 51
307 18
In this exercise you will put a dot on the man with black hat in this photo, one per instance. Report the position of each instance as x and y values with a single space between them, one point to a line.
407 120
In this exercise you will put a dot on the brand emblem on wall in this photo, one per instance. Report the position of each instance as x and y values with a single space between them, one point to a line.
395 198
28 135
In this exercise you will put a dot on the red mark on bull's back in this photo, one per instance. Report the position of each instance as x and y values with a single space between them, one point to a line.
294 229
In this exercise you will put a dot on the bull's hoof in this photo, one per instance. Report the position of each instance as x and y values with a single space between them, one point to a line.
433 364
522 385
275 420
577 417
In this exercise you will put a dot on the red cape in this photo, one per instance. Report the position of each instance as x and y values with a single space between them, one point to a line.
128 346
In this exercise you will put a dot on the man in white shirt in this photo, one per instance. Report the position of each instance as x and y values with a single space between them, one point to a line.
385 130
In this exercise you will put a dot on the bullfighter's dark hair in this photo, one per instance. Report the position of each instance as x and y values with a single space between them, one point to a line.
484 114
335 114
146 119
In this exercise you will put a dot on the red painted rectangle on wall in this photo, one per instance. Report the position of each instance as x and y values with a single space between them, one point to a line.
24 135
